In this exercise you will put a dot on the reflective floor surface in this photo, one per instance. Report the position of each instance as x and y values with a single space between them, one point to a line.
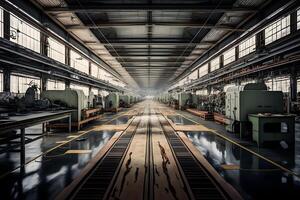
120 120
45 177
252 176
179 120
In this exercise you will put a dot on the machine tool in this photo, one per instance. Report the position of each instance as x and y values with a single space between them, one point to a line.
244 101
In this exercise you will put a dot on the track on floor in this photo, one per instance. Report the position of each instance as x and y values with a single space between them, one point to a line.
110 176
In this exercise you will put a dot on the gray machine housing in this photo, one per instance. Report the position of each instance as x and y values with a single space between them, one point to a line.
71 97
251 98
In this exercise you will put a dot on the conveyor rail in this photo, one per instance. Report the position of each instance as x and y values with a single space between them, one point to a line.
98 181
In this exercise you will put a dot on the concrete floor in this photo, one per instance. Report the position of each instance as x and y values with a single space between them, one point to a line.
253 175
289 158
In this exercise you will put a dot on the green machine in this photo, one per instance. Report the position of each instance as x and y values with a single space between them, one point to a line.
112 102
252 98
131 99
125 101
182 99
272 127
71 98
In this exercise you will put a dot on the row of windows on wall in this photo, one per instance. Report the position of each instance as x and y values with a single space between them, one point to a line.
19 83
28 36
55 85
273 84
278 29
24 34
274 31
56 50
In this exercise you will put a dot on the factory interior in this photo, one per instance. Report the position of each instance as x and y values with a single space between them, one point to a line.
149 99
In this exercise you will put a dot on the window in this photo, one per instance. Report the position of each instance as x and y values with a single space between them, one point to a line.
193 75
203 70
229 56
56 50
277 30
1 22
20 83
181 82
104 75
298 19
85 89
215 64
228 86
55 85
202 92
78 62
95 72
24 34
95 91
247 46
278 84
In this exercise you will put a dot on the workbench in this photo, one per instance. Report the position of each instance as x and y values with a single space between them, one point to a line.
272 127
24 121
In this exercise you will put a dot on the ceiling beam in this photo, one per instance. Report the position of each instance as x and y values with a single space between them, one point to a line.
151 67
100 7
138 49
170 55
119 42
175 24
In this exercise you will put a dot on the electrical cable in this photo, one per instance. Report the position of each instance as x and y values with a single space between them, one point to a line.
201 28
101 33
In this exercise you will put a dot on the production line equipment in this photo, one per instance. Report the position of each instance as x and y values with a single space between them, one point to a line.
84 108
254 112
125 101
187 100
112 102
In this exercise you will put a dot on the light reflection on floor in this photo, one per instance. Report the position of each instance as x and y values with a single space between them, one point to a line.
48 175
253 177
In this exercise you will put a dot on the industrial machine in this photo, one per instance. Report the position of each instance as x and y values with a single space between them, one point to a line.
76 100
272 127
252 98
125 101
112 102
11 103
187 100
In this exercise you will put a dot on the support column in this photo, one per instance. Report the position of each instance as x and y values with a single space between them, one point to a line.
44 45
6 80
6 25
293 84
209 90
260 44
237 52
67 56
90 68
67 83
44 83
293 22
221 61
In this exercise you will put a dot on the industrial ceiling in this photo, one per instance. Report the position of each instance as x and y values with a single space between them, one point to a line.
151 42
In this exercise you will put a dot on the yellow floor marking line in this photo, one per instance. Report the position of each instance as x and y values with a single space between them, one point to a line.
72 136
190 128
78 151
245 148
230 167
62 141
